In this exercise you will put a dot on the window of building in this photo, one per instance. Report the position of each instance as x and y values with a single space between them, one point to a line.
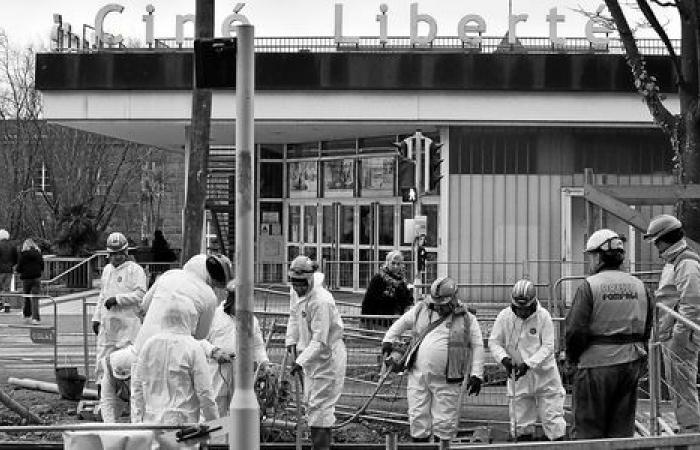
303 179
271 179
303 150
271 151
339 178
377 176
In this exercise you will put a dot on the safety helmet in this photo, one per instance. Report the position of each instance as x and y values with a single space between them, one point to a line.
661 225
604 240
116 242
4 235
302 268
443 290
219 268
523 293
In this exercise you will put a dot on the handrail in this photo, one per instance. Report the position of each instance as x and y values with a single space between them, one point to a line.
678 316
69 270
92 427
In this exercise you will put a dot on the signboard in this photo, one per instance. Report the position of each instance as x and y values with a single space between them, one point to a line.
409 195
42 335
421 225
409 230
271 248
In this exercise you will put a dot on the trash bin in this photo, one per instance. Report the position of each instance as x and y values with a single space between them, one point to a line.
70 383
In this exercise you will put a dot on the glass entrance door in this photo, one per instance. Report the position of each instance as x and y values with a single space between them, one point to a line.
302 232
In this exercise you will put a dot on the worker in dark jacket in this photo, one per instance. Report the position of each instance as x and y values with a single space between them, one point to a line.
8 260
30 266
388 292
607 328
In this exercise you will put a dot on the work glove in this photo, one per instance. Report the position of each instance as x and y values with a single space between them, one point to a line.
296 369
387 348
222 357
96 327
520 370
110 302
508 364
474 385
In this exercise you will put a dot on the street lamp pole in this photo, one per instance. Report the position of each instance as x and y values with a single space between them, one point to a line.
245 419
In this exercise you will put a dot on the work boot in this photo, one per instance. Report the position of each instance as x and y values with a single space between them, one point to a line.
320 438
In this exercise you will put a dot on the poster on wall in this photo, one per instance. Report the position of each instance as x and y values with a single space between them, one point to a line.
338 178
303 179
378 177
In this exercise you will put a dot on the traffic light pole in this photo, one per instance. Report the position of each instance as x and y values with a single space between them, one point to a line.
417 207
245 419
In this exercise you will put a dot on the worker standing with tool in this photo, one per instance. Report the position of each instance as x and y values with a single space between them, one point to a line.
522 340
116 320
315 329
446 356
607 328
679 289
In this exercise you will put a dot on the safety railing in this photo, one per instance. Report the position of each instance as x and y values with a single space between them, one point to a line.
657 351
78 274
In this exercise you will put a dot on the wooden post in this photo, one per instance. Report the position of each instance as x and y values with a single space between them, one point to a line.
197 150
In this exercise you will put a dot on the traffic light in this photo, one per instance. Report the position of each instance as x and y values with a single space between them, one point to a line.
435 162
402 149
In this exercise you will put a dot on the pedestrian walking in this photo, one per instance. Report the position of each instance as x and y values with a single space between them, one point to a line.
445 358
387 293
117 319
679 289
607 329
30 266
522 340
8 260
315 332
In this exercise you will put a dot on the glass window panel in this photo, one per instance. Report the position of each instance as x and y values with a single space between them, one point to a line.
303 179
366 267
294 234
310 224
347 224
339 178
272 151
271 177
311 252
329 225
338 147
347 256
378 144
366 225
431 212
292 252
303 150
406 213
386 225
377 177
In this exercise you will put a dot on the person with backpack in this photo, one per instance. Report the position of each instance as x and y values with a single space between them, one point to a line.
679 289
607 329
445 358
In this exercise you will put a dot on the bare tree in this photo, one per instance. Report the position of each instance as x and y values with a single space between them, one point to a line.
682 129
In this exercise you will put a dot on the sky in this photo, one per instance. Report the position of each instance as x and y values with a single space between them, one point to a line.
30 22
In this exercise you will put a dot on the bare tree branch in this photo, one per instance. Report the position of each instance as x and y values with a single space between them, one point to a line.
658 28
664 4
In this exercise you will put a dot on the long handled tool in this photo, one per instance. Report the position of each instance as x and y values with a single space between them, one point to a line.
383 376
510 383
298 387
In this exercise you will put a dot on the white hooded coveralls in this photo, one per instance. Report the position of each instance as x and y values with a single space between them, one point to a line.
118 325
315 327
223 336
171 382
539 393
433 403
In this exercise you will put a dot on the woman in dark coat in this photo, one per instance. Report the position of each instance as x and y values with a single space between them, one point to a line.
387 293
30 265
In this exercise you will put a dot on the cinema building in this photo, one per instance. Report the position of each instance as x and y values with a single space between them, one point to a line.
518 126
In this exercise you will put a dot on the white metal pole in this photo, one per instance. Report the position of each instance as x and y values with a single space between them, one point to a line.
245 429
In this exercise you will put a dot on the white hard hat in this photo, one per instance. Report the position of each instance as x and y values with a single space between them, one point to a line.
661 225
442 290
523 293
604 240
4 235
302 268
116 242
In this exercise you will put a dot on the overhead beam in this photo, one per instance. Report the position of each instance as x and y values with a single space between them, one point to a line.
619 209
652 195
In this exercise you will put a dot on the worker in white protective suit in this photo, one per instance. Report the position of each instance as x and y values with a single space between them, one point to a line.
172 384
447 357
522 340
117 319
189 291
223 335
315 329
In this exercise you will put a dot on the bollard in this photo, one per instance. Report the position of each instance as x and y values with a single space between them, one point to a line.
392 441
